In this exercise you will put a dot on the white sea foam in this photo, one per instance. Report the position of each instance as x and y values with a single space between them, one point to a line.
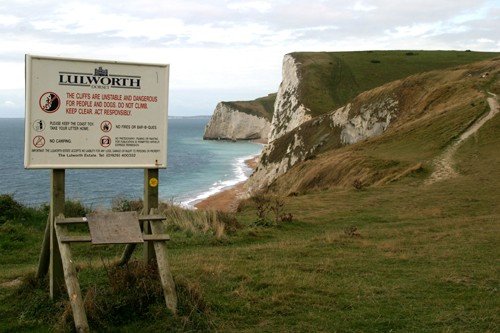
240 173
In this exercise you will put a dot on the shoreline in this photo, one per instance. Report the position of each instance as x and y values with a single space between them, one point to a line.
227 200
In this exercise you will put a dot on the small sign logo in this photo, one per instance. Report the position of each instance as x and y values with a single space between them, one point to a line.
49 102
39 141
153 182
39 125
106 126
100 71
105 141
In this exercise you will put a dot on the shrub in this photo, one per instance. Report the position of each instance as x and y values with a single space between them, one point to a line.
133 293
122 204
352 231
10 209
357 184
275 205
73 208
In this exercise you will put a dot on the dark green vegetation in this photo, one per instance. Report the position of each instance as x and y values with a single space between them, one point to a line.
261 107
331 79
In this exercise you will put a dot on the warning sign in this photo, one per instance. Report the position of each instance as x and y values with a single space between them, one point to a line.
95 114
39 141
106 126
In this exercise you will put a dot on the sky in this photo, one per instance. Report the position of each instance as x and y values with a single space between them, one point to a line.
224 50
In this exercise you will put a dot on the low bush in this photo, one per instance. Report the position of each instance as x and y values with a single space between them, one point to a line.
122 204
270 210
10 209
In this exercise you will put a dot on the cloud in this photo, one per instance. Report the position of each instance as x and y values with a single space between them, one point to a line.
248 6
9 20
362 7
234 45
9 104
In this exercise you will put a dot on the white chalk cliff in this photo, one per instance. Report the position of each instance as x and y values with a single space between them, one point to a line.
229 123
349 124
289 112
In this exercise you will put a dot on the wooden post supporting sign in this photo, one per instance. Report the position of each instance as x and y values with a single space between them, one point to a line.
150 202
57 199
50 257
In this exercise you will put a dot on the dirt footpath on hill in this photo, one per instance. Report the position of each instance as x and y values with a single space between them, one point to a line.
443 164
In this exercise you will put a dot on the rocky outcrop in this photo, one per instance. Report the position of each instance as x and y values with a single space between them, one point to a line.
289 112
372 120
230 123
346 125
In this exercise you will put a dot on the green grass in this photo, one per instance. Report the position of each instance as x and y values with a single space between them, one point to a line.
425 260
331 79
261 107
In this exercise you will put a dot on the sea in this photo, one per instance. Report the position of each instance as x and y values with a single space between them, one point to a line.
196 169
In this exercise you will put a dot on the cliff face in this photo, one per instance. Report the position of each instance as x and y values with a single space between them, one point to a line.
229 123
368 115
289 112
241 120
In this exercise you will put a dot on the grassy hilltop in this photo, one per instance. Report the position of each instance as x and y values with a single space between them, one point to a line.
351 240
331 79
261 107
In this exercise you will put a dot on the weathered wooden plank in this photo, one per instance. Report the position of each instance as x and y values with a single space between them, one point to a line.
127 254
73 220
153 237
75 239
44 260
114 228
72 285
166 279
152 218
57 200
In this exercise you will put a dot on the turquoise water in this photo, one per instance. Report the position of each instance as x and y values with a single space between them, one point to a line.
196 169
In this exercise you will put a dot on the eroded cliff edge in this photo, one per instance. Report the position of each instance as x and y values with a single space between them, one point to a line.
241 120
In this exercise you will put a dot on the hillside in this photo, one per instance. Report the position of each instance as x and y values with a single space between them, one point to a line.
431 106
241 120
315 83
331 79
351 238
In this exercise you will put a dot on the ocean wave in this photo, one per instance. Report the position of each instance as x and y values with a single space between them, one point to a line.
240 172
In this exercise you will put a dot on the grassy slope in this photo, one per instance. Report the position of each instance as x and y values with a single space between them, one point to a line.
425 259
261 107
331 79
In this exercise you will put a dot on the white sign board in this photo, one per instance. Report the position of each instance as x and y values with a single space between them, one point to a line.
95 114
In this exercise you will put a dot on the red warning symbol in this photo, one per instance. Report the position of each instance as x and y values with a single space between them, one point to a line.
106 126
105 141
39 141
49 102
